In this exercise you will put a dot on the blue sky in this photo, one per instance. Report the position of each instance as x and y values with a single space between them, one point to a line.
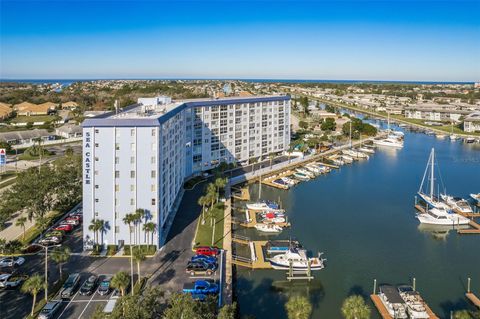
369 40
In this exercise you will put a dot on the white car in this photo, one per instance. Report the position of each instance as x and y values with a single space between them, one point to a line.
11 261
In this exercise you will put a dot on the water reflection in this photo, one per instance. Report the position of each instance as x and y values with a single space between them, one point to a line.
439 232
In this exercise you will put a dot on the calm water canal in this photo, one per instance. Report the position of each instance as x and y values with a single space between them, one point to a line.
362 217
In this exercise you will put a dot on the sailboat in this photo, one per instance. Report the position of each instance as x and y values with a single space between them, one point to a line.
394 138
430 198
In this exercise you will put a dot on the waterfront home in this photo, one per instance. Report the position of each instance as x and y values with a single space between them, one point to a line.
471 123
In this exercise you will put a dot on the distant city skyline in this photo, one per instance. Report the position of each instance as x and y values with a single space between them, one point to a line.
335 40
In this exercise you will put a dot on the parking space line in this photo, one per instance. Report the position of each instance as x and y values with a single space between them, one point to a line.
69 302
93 295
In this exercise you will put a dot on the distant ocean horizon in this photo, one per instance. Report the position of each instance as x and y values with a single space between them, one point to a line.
70 81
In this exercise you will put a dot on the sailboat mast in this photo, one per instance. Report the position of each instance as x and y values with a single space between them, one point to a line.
350 133
432 174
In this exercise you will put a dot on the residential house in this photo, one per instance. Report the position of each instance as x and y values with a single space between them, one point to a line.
5 110
26 137
69 131
472 123
29 109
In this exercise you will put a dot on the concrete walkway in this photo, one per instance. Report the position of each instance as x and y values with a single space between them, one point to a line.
227 246
12 232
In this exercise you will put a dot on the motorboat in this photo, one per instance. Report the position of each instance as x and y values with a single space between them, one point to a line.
438 216
469 140
475 197
393 302
263 205
415 305
289 181
453 137
366 150
297 259
440 136
268 228
389 142
272 214
457 204
281 247
347 159
281 183
271 217
355 154
337 161
301 176
305 172
312 168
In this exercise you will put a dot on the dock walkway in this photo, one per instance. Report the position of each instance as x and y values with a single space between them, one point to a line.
251 220
474 230
474 299
384 312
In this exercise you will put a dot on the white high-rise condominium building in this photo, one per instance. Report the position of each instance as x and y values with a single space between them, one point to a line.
139 157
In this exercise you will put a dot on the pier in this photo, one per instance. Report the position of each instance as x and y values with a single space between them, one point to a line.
242 194
471 296
475 227
257 258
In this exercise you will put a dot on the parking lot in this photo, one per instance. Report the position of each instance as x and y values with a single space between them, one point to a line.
83 306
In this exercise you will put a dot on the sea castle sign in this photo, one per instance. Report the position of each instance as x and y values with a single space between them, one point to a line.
87 158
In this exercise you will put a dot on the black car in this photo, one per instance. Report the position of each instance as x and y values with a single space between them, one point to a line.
200 267
89 286
104 287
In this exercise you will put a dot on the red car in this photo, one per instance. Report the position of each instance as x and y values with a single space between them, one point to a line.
65 227
207 251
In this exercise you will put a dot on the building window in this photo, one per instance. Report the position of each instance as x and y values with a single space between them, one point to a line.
117 174
153 188
117 229
96 144
132 147
96 200
132 160
153 201
153 132
96 159
117 160
132 188
153 160
153 174
96 186
132 132
96 131
132 174
132 201
117 187
117 146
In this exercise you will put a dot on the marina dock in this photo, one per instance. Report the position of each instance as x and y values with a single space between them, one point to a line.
475 227
242 194
474 299
384 312
251 220
258 259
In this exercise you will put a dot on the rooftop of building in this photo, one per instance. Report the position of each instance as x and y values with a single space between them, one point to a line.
150 115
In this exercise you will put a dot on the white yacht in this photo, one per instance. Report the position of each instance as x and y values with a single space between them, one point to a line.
415 304
393 302
366 150
263 205
453 137
440 136
457 204
289 181
347 159
301 176
297 258
475 197
355 154
389 142
268 228
305 172
312 168
438 216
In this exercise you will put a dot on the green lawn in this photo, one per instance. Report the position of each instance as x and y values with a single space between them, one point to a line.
35 118
203 237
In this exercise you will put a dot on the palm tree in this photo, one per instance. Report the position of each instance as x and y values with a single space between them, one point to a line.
462 314
32 286
149 228
219 184
139 215
202 201
354 307
21 223
94 228
61 255
211 193
120 281
298 307
128 220
139 256
101 227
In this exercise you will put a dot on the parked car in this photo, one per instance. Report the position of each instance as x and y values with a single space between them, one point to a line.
207 251
11 280
50 241
203 287
200 267
11 261
78 217
71 221
104 287
204 258
89 286
55 233
70 285
49 310
65 227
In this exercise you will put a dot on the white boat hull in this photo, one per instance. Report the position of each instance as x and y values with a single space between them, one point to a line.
452 220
